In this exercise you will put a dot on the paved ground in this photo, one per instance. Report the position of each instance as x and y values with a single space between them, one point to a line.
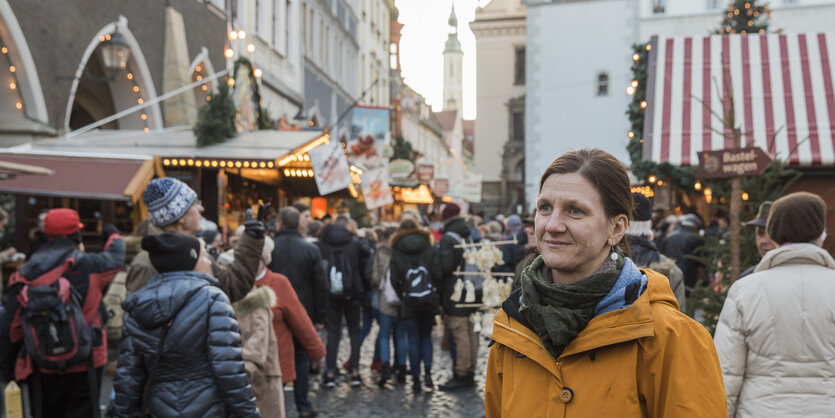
396 400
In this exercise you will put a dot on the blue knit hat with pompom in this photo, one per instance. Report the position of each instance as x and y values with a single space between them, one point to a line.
167 200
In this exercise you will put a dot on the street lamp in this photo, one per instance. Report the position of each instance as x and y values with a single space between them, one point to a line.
114 53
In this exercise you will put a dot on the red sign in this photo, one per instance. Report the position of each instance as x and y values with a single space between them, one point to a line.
441 187
425 173
732 162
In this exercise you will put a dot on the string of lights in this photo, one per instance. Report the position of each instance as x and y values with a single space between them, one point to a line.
14 83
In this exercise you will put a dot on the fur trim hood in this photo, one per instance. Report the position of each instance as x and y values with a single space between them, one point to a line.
408 240
259 297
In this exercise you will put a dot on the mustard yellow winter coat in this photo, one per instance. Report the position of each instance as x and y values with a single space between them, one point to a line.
646 360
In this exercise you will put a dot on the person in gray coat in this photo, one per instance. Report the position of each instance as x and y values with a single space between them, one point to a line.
181 340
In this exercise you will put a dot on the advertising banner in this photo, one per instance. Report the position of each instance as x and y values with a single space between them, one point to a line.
440 186
330 168
425 172
375 188
369 136
471 188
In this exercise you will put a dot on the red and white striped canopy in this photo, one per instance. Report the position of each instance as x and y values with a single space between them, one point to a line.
779 84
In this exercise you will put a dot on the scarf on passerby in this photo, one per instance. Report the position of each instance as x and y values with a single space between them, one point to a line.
559 312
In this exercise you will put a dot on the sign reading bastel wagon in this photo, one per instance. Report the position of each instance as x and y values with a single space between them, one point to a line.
732 162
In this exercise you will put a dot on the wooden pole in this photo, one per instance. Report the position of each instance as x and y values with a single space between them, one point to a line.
736 205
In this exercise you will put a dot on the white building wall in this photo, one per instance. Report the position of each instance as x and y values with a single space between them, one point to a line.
564 58
374 38
496 45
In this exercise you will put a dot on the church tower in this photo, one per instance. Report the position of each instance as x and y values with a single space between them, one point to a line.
453 71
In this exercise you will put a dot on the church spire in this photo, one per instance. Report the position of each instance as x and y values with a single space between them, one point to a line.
452 43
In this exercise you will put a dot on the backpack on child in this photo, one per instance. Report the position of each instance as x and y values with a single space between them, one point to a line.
339 272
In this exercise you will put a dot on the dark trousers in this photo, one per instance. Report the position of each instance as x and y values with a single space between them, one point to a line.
64 395
351 309
302 383
418 331
370 314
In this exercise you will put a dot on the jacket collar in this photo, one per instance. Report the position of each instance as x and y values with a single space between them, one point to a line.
631 323
794 254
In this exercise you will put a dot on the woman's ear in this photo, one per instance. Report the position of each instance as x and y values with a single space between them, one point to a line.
619 224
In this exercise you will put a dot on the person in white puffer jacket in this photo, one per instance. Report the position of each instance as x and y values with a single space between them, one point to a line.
776 332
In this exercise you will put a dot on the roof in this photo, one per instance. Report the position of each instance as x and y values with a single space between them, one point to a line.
781 86
447 119
173 142
91 178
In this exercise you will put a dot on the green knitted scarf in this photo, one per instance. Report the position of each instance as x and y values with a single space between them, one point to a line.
559 312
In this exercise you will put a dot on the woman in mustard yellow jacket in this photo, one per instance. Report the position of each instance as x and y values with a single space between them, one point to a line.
589 334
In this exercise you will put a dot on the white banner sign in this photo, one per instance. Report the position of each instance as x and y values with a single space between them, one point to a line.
375 188
471 190
330 167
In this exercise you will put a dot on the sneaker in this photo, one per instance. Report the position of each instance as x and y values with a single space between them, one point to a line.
309 413
356 380
330 381
457 382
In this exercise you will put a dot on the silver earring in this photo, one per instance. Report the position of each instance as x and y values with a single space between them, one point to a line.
614 255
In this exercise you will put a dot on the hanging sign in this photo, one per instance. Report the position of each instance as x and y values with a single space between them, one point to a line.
732 162
471 187
440 186
425 172
330 168
400 169
375 188
369 136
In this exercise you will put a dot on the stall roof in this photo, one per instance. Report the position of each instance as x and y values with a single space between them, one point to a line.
80 177
172 142
781 86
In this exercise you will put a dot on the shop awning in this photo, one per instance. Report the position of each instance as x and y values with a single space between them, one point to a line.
781 86
88 178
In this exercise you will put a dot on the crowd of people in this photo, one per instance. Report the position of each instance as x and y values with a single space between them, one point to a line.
192 325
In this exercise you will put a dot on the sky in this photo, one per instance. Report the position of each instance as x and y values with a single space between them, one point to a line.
422 45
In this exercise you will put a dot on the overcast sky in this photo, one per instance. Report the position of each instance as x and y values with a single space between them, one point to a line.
422 46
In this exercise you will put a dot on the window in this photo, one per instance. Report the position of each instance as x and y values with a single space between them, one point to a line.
304 25
241 13
518 120
288 7
276 20
451 74
220 4
713 4
658 6
519 72
259 13
603 84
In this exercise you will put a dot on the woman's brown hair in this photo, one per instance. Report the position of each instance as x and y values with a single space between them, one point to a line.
605 173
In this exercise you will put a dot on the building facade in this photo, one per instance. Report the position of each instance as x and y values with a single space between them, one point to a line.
374 40
273 45
499 29
581 74
330 33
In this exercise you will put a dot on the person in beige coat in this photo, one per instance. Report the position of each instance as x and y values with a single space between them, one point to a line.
776 334
260 347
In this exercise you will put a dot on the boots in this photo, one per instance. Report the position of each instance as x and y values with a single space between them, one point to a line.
401 374
385 374
457 382
416 384
427 380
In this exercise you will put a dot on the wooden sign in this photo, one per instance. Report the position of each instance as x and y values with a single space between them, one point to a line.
732 162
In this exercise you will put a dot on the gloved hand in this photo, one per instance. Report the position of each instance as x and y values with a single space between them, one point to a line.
107 230
255 228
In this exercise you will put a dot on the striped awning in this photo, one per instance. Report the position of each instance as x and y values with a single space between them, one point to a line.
781 87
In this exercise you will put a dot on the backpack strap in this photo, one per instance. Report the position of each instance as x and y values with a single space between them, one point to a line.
146 396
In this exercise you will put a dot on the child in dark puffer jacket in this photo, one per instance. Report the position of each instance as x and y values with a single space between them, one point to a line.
181 334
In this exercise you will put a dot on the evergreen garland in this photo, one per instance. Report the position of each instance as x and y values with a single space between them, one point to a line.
216 120
403 149
264 119
744 17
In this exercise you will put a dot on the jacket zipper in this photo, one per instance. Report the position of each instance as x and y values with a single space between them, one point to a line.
562 382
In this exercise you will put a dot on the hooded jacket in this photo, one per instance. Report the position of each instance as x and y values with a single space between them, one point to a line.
201 371
336 240
235 279
260 350
646 359
450 259
380 268
645 254
412 247
290 320
87 273
301 262
776 336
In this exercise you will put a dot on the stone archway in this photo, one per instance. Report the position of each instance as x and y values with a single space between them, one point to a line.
94 96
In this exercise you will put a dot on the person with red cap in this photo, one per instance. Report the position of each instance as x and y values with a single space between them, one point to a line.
72 392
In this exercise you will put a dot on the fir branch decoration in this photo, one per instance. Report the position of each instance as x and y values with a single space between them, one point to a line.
216 120
264 119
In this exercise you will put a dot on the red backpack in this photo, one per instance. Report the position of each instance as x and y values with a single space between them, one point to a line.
55 333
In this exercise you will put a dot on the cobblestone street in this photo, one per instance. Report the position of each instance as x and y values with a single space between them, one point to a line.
396 399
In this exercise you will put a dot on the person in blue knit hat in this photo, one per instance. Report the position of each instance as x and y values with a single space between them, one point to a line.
173 206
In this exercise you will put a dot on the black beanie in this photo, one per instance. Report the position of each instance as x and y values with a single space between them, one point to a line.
172 251
798 217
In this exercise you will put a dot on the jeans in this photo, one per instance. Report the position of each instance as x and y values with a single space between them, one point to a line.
419 335
370 314
302 383
350 309
387 325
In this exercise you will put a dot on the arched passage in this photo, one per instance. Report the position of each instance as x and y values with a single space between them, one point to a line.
21 96
96 94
